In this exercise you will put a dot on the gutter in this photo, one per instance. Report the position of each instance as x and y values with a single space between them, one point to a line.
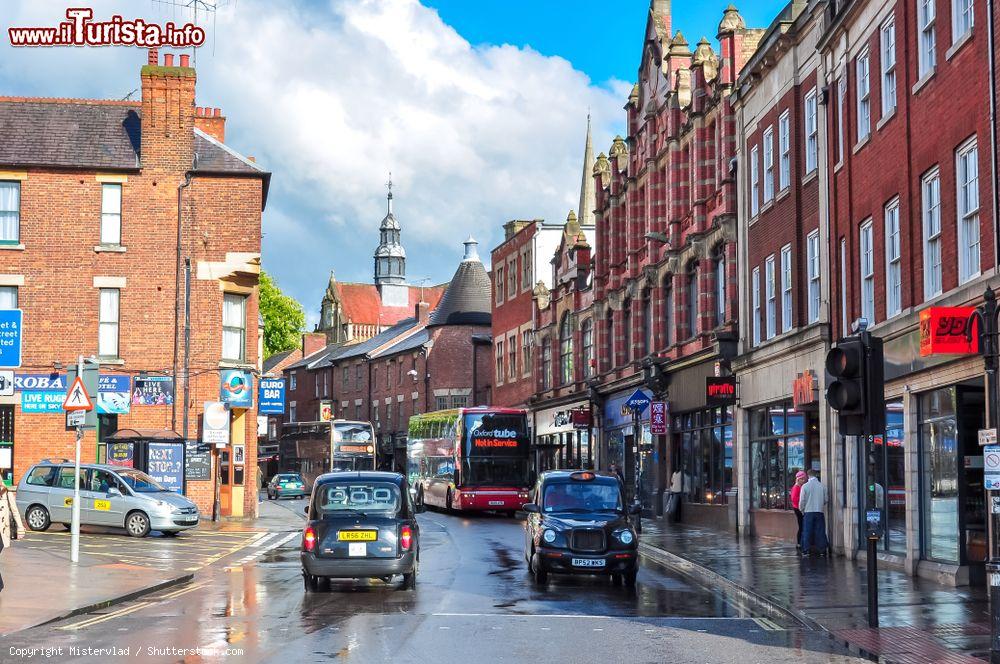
177 298
994 168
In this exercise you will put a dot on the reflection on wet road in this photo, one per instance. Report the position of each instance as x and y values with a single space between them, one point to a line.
474 601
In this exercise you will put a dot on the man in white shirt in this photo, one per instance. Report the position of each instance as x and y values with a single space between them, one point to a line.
812 502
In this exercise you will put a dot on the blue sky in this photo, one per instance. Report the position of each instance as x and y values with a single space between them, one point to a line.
478 107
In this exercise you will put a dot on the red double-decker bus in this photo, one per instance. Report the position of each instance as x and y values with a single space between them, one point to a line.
470 459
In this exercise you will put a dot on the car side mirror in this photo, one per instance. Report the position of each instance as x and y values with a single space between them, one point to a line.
531 507
636 508
115 492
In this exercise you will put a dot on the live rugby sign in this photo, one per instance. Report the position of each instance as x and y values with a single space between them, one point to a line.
945 331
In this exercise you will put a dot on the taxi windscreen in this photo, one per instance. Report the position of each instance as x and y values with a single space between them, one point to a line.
593 496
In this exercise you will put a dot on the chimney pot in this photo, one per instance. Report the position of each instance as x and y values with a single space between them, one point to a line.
199 110
252 158
185 60
168 59
153 56
218 112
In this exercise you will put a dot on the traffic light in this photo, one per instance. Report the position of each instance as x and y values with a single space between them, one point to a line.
856 385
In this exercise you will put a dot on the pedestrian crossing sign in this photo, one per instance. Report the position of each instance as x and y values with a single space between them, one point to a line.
77 397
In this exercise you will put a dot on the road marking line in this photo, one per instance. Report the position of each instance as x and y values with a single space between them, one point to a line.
108 616
178 593
769 625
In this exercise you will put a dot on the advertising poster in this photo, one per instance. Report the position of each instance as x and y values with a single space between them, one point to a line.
215 423
271 400
236 388
113 395
165 464
121 454
153 391
41 393
197 462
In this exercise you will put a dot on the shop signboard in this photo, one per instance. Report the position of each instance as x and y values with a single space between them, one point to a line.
617 412
165 464
215 423
113 394
720 391
805 391
236 388
10 337
41 392
658 418
271 400
197 462
325 411
580 418
946 331
153 391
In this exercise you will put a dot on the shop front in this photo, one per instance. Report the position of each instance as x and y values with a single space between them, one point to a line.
562 437
623 444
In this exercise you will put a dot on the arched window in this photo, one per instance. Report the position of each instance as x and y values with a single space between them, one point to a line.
546 364
566 350
693 308
668 311
719 268
627 329
647 322
587 335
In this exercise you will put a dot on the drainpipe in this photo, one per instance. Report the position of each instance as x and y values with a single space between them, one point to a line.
177 299
994 168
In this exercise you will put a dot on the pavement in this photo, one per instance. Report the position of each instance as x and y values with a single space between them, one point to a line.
473 600
42 585
919 621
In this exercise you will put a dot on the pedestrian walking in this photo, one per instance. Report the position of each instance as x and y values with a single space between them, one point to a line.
11 527
261 485
800 479
812 502
674 499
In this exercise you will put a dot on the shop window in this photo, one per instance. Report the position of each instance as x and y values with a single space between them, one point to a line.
779 448
566 350
939 481
704 440
884 478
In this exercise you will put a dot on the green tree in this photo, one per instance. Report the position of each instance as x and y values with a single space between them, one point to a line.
284 319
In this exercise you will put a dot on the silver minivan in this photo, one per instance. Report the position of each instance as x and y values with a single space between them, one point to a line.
109 496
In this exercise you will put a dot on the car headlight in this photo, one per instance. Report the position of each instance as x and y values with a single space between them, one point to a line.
626 536
549 536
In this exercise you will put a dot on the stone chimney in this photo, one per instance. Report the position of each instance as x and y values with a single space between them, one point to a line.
422 312
167 114
312 342
212 122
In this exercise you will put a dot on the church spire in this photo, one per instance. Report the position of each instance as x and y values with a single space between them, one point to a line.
390 257
588 200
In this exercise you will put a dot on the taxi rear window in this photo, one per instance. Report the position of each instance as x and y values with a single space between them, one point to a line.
343 498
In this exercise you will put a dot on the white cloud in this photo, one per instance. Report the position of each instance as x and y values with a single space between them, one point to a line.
330 98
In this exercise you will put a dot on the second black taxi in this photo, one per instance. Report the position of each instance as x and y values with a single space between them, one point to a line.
579 524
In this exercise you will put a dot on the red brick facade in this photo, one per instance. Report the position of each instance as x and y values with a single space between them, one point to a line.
512 314
59 266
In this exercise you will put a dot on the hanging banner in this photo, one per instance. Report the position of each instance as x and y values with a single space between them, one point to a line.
113 394
271 399
153 391
720 391
943 331
236 388
658 418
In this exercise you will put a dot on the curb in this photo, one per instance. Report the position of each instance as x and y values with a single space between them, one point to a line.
713 580
169 583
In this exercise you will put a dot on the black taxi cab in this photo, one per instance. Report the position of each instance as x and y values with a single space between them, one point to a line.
360 525
579 524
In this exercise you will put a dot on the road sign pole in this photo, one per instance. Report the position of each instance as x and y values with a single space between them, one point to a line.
74 551
637 438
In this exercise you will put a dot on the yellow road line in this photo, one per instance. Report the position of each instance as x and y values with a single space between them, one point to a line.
83 624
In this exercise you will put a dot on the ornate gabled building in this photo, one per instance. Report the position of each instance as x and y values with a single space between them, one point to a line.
353 312
664 285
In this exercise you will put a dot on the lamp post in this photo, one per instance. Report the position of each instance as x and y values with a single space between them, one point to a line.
986 317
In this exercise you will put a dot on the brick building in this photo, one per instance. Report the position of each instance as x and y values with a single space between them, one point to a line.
521 265
912 219
784 317
665 293
430 361
102 205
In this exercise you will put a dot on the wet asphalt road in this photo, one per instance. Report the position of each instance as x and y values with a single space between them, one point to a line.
474 602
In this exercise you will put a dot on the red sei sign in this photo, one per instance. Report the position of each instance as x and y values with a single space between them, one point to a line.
943 331
658 417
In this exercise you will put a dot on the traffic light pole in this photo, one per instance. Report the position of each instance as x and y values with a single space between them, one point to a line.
637 439
986 317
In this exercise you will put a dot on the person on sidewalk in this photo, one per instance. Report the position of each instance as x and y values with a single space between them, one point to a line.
11 527
261 485
676 492
812 502
800 479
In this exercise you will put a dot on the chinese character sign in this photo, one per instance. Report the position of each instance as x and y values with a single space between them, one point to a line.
658 417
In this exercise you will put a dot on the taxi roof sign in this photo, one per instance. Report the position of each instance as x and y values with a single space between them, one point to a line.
77 397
